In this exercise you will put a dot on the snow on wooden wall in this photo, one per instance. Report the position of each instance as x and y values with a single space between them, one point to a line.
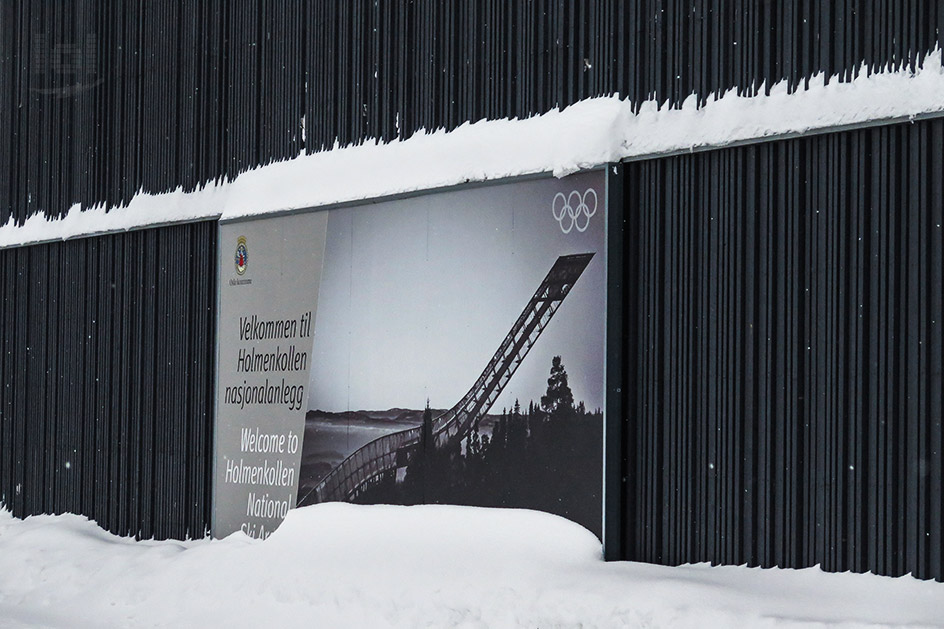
99 100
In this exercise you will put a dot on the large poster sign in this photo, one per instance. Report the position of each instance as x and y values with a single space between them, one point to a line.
455 355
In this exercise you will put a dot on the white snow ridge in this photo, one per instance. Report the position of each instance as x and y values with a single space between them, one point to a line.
339 565
584 135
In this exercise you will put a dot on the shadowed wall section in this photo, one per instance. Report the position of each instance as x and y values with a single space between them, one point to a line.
786 301
106 362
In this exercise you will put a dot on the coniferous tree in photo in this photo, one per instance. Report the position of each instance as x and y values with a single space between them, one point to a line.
426 436
559 397
416 481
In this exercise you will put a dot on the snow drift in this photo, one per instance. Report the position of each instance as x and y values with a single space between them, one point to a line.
340 565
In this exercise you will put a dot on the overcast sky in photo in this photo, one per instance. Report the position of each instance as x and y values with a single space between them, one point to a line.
418 293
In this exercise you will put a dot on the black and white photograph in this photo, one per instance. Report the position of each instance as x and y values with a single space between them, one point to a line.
458 352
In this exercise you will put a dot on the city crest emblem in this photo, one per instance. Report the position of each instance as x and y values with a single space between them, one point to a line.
242 255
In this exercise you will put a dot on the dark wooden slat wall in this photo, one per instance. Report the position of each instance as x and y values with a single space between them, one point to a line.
182 92
158 94
787 406
107 368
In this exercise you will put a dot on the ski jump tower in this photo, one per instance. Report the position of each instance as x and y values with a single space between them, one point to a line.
386 454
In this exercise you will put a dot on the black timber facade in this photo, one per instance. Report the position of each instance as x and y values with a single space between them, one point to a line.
100 100
106 360
783 349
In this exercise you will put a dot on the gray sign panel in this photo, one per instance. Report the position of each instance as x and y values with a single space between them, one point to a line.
270 272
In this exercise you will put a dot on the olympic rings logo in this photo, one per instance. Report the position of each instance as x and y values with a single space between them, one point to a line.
574 210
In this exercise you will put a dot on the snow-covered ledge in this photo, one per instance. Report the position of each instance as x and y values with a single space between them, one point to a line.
584 135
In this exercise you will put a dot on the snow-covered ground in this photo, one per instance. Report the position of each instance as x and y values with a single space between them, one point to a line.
584 135
339 565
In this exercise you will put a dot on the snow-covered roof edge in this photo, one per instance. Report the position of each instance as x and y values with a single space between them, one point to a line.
584 135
